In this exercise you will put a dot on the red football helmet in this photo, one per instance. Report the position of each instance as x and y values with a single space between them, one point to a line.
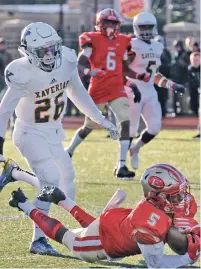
108 22
166 187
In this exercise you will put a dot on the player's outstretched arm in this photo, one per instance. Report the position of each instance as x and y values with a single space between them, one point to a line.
163 82
80 97
154 257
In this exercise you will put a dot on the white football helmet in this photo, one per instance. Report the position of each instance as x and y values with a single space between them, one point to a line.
145 26
42 45
166 187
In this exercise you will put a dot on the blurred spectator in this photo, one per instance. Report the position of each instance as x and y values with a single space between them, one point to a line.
196 47
164 69
4 54
194 81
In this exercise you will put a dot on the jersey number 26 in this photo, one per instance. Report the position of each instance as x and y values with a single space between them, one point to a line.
45 105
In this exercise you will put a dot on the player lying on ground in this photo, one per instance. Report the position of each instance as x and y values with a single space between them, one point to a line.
38 85
121 232
144 57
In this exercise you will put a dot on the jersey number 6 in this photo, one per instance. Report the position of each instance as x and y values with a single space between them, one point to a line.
45 105
110 61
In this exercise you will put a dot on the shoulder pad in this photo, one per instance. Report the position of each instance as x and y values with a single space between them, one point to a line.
134 43
17 73
86 39
69 54
158 44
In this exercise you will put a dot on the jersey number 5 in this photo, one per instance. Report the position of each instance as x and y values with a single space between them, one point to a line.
151 68
45 105
153 219
110 61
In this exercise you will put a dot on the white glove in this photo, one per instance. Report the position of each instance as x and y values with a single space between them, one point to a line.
114 133
2 159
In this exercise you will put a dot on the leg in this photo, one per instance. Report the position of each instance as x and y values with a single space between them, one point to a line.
82 132
36 151
120 108
152 115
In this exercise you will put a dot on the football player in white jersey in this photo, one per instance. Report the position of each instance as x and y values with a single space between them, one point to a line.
145 58
38 86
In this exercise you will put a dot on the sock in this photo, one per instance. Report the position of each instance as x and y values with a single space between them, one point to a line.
50 226
27 207
138 144
76 140
82 216
78 213
123 150
22 175
43 207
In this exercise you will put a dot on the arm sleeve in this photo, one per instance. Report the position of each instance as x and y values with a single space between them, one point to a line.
7 107
87 52
80 97
154 257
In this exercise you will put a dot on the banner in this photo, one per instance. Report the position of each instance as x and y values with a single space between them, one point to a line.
130 8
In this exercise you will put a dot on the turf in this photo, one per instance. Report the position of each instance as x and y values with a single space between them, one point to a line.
93 161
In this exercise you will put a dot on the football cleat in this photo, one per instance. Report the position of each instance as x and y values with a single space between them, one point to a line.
42 247
51 194
6 175
70 154
17 197
134 158
124 174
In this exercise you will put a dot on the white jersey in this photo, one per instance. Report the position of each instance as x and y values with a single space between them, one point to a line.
147 59
39 97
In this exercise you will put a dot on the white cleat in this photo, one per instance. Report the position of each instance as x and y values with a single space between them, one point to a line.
134 158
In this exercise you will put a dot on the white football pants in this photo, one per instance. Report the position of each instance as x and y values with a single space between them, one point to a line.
51 164
149 108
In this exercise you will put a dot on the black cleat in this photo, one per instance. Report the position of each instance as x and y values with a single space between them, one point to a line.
70 154
17 197
196 136
124 174
51 194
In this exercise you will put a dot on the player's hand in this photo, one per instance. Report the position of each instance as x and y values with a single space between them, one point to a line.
136 92
113 131
98 73
178 88
187 225
143 77
193 247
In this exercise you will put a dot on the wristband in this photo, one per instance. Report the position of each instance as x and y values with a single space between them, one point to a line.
169 84
1 145
161 81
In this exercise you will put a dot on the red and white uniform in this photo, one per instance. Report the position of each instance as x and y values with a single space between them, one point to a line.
106 54
121 232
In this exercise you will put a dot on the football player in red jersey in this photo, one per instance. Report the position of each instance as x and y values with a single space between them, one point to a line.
121 232
106 51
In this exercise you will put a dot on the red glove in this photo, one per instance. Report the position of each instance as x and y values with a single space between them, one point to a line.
143 77
193 247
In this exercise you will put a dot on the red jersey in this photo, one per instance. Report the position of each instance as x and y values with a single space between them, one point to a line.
190 208
119 227
106 54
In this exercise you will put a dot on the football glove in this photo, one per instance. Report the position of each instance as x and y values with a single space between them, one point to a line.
143 77
178 88
113 131
98 73
136 92
193 247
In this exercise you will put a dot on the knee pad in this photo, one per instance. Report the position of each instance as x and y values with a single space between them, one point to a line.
84 132
125 125
146 137
47 172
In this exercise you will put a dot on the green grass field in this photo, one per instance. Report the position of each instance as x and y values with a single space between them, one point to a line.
93 161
